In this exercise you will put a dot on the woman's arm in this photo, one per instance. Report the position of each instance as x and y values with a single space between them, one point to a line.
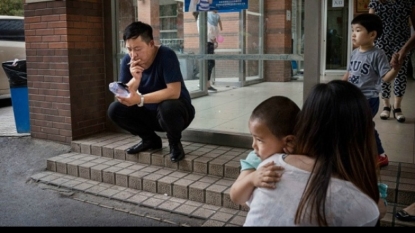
410 44
220 24
382 208
266 177
413 18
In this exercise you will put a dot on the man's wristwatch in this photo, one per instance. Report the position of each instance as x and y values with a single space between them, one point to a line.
141 104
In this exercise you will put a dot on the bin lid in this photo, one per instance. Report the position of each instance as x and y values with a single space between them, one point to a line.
16 72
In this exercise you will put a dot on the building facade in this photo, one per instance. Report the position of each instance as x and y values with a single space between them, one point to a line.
73 49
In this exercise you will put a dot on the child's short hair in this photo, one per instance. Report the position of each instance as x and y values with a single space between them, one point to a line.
278 113
371 22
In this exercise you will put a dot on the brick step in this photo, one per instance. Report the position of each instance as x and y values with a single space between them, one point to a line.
127 200
400 178
192 186
204 176
214 215
221 161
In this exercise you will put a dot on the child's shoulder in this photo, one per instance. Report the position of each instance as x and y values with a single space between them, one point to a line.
275 157
251 161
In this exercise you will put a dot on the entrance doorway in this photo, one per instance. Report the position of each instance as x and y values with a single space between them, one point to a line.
336 40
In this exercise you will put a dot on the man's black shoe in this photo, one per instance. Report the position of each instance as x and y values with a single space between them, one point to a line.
176 152
145 145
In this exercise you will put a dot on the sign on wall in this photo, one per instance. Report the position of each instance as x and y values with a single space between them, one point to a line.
362 6
338 3
219 5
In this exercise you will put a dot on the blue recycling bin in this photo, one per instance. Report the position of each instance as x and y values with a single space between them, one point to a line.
294 67
16 73
20 103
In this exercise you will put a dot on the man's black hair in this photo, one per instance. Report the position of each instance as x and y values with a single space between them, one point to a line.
137 29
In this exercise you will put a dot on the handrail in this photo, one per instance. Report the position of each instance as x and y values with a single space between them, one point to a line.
254 57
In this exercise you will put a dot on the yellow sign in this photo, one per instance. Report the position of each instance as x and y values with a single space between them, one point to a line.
362 6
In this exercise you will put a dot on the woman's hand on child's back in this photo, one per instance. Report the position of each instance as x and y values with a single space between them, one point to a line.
268 175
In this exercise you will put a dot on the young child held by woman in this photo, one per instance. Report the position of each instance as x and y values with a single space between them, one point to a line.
331 177
271 125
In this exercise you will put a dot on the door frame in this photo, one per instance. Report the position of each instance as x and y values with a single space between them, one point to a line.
328 72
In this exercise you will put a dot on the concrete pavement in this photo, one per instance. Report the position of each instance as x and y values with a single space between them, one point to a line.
24 202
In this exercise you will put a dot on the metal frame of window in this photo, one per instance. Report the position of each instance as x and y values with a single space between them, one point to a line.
202 57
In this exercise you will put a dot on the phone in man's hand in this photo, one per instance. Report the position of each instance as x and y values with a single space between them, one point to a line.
123 85
119 88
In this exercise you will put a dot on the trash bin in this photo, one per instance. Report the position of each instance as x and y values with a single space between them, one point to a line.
16 73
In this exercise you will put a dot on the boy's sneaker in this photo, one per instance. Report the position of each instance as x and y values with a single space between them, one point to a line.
383 160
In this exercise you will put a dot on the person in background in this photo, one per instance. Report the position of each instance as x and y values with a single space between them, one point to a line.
411 63
213 26
369 67
407 213
192 6
330 179
199 5
400 56
159 99
271 125
395 16
204 5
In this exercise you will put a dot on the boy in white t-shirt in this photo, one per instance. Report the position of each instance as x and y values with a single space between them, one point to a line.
271 125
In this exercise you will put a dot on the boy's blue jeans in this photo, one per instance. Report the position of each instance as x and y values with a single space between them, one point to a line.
374 106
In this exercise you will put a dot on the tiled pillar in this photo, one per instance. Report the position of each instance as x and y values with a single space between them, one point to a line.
149 12
277 39
65 69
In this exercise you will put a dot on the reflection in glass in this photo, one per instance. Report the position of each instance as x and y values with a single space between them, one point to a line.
243 34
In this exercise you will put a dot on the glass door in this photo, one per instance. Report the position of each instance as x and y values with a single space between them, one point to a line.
172 27
336 37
